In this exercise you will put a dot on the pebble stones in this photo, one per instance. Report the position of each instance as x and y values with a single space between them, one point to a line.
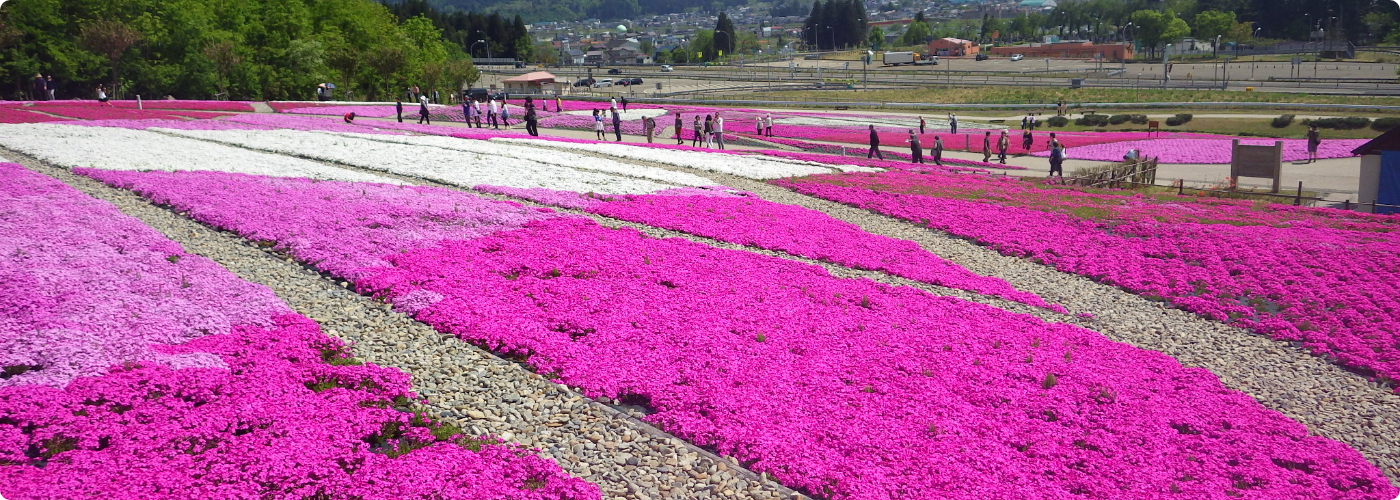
463 385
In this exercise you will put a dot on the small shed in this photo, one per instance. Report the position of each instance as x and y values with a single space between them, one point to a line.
1380 173
538 82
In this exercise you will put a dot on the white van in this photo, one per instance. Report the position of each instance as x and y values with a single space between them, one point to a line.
606 82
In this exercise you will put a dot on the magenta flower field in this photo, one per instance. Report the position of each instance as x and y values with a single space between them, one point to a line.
842 388
1320 276
133 370
1206 151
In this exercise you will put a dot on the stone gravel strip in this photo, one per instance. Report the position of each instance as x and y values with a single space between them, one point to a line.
463 385
1331 401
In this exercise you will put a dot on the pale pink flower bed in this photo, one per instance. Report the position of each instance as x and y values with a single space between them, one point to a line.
1206 151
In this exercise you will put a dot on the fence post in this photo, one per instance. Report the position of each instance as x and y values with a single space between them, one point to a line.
1180 187
1298 199
1346 205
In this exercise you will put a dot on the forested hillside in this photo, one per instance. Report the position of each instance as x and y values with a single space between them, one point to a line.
248 49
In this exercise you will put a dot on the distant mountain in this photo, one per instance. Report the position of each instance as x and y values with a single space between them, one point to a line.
577 10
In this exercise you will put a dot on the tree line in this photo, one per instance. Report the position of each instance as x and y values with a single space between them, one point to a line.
835 24
249 49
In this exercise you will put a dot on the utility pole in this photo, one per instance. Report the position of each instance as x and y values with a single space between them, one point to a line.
1166 65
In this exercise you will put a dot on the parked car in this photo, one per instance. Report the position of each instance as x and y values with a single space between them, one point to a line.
981 57
634 81
476 95
1017 57
666 68
606 82
615 71
622 82
584 82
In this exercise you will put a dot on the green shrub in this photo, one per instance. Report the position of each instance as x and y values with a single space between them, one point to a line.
1138 119
1348 123
1179 119
1384 124
1057 121
1282 121
1119 119
1092 121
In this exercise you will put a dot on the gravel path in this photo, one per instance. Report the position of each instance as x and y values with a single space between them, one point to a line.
1329 400
462 384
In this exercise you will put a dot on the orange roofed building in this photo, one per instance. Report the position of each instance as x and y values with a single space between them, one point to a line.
952 47
1068 50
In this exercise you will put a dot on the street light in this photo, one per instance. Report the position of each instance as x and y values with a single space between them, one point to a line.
473 49
833 38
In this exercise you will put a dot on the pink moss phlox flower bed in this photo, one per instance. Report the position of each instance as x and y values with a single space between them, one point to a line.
847 388
896 150
752 221
106 113
237 106
356 224
133 370
851 389
1320 276
1207 151
9 114
368 111
228 124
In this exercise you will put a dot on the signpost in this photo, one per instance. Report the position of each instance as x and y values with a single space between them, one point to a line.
1257 161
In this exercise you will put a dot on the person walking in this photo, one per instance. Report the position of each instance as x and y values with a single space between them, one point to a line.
624 104
51 87
1032 124
1314 139
532 119
987 147
467 112
1024 121
102 96
916 150
398 109
1027 140
709 131
558 104
695 125
1003 143
938 150
768 125
1057 157
617 125
598 125
719 131
758 126
952 123
612 104
649 125
922 124
679 139
41 88
505 114
492 110
874 145
423 111
436 97
476 106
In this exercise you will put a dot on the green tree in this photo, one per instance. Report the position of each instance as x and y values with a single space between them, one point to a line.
725 37
1213 23
917 33
110 39
876 38
1148 28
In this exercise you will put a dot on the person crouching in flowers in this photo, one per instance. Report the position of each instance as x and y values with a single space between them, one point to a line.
350 117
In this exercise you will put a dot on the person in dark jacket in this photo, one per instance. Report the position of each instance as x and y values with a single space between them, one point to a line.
916 150
617 125
679 128
423 111
41 88
531 120
874 145
398 109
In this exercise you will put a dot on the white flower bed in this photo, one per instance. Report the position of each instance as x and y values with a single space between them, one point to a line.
548 156
631 114
911 123
126 149
743 166
459 168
